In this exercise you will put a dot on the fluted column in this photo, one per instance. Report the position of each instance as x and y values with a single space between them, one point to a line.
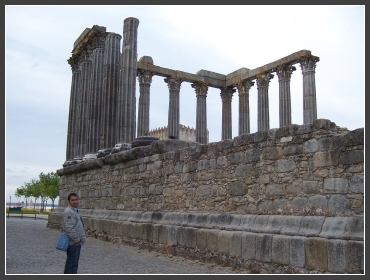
145 79
97 75
244 113
73 109
226 96
263 81
284 73
308 65
126 110
201 118
110 91
83 104
174 85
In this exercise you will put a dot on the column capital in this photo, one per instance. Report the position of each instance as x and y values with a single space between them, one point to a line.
263 80
244 86
227 93
201 89
284 71
173 83
308 63
144 77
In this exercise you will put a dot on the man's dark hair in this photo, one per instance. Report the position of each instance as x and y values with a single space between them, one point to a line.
72 194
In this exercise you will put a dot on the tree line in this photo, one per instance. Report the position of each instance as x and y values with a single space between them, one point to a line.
45 187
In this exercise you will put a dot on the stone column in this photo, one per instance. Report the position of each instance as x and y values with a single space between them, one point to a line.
174 85
83 104
244 115
96 88
145 79
126 110
284 73
263 81
110 91
73 107
308 65
201 119
226 96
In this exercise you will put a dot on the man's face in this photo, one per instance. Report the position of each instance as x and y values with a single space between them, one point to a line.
73 201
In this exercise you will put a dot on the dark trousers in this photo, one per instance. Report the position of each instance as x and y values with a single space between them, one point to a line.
73 255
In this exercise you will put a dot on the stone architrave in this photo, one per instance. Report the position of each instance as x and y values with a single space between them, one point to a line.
226 97
93 137
110 91
263 81
83 103
244 113
145 79
73 108
126 103
201 90
174 85
308 65
284 73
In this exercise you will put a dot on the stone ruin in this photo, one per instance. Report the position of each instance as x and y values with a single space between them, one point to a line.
102 108
282 200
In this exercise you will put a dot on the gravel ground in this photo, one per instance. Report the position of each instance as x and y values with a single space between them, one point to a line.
30 250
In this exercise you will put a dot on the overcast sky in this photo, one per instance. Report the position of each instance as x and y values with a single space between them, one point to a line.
222 39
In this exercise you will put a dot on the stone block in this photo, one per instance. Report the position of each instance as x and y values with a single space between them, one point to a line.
275 223
224 240
272 153
252 155
162 234
172 237
134 231
336 256
354 252
354 229
311 225
274 190
263 247
284 165
311 146
297 251
318 201
293 150
336 185
354 137
247 222
333 227
280 249
339 204
248 245
201 239
326 158
316 253
236 244
212 240
238 188
260 223
356 184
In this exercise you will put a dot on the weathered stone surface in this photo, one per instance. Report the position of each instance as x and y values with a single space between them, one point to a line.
354 252
311 226
356 184
316 253
335 185
280 249
297 251
336 256
333 227
263 247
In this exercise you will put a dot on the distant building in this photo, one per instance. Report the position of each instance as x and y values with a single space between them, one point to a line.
186 133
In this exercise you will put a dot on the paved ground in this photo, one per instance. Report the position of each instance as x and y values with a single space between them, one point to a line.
30 250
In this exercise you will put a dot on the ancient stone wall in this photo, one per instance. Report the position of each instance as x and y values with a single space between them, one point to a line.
286 200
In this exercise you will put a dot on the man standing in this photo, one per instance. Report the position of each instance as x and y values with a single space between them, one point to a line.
73 226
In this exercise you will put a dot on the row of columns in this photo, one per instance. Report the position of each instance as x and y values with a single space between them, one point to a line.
283 72
102 101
